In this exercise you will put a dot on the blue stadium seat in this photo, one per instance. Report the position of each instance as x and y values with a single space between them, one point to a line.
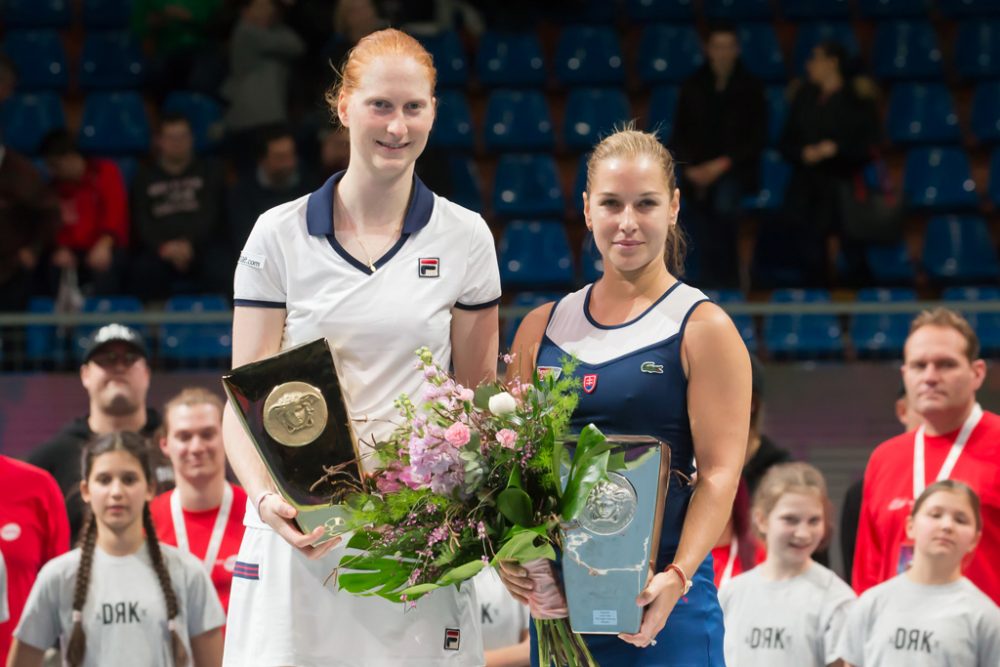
453 126
591 264
111 61
922 113
744 323
650 11
986 325
663 111
36 13
592 113
668 53
39 57
994 186
985 119
967 8
191 343
26 118
810 10
802 336
114 124
579 184
449 57
116 308
535 254
811 34
510 59
465 189
777 112
43 342
127 166
589 56
977 50
107 14
881 335
738 10
527 186
526 300
761 51
890 264
906 50
939 179
518 121
774 175
893 9
959 250
205 115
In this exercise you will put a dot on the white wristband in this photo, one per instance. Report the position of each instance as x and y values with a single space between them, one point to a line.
260 499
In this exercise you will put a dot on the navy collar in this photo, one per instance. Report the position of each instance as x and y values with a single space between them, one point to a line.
319 208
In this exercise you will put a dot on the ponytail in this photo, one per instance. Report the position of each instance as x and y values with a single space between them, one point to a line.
77 646
177 649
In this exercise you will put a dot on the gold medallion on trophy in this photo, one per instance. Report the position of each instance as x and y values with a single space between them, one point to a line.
295 414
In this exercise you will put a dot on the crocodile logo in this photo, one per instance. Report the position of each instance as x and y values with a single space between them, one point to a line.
651 367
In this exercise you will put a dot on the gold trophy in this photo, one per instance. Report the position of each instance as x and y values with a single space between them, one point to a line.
292 407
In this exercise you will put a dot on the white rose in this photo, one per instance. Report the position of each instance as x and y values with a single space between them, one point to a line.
502 403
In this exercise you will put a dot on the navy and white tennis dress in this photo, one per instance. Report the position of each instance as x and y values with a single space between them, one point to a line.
634 384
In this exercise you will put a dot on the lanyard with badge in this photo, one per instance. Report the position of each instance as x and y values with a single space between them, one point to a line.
920 475
727 573
215 541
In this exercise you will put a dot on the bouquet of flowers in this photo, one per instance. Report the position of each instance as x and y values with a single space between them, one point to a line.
470 478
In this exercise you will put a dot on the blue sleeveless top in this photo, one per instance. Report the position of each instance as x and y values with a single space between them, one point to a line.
633 382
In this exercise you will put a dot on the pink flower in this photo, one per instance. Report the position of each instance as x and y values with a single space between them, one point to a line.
507 438
507 358
388 482
457 434
465 394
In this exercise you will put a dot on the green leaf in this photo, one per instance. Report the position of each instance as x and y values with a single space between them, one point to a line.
514 481
413 591
483 395
461 573
520 545
583 477
515 505
361 540
616 461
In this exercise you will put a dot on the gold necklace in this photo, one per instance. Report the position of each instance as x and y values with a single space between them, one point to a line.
381 251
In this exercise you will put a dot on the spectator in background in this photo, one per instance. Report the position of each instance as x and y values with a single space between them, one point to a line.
94 233
956 440
203 515
29 217
334 151
829 137
851 510
115 373
8 78
261 51
33 530
177 31
177 209
719 133
278 178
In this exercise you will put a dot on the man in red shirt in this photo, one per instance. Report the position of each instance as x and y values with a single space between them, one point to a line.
942 372
94 233
33 530
204 513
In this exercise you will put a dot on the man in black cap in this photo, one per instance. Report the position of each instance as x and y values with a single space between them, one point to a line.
116 375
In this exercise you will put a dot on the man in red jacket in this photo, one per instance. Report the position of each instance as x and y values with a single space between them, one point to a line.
95 229
958 440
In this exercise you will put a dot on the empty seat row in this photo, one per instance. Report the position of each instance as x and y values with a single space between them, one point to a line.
669 53
112 123
97 14
179 343
110 60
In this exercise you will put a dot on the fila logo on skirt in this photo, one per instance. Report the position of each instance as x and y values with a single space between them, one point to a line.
452 639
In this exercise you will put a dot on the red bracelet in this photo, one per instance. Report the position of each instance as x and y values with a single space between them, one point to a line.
674 567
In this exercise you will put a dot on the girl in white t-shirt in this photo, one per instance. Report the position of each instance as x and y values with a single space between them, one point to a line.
121 598
930 615
789 610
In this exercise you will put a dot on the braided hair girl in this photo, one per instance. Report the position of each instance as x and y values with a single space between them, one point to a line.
120 597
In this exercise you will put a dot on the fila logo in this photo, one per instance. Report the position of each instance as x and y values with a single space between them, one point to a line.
452 639
651 367
590 382
546 371
429 267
